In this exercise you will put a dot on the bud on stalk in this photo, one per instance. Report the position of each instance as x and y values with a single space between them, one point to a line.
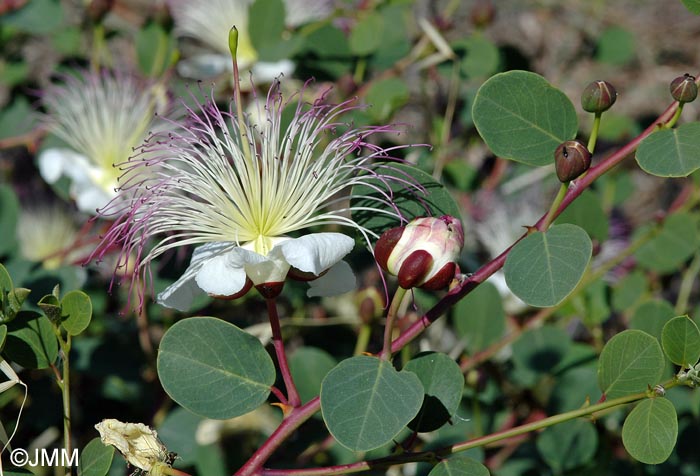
683 88
598 96
571 159
423 253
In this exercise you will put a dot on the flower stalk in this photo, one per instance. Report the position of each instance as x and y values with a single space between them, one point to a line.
293 398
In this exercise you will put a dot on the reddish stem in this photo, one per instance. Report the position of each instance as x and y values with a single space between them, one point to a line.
292 394
253 466
482 274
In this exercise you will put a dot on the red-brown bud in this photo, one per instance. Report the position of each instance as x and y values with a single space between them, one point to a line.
422 253
598 96
571 159
684 89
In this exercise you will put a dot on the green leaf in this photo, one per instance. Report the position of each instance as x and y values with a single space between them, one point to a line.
213 368
366 36
522 117
436 201
443 384
479 56
386 96
616 46
568 445
479 318
8 218
155 50
539 351
51 307
366 402
309 366
76 309
693 6
587 212
630 363
95 459
459 466
16 119
266 29
3 335
6 284
179 430
328 42
680 339
394 43
671 152
37 17
545 267
674 244
650 431
31 341
651 316
629 291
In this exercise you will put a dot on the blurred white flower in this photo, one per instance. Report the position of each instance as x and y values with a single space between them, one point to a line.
239 189
102 117
46 234
209 22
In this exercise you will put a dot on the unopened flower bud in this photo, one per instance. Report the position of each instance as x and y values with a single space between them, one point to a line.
683 88
423 253
482 13
370 303
598 96
571 159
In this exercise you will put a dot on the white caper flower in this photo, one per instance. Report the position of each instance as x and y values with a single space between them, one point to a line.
102 117
243 190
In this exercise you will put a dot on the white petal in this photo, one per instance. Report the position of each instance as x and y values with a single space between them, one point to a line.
204 66
223 274
264 269
88 197
317 252
55 162
266 72
338 280
182 292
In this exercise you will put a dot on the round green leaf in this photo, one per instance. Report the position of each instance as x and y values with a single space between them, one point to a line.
178 431
443 384
692 5
366 402
671 152
76 310
539 351
155 49
630 363
480 57
545 267
9 204
479 318
568 445
674 244
616 46
587 212
386 96
31 341
213 368
435 201
650 431
95 458
522 117
459 466
629 291
309 366
366 36
680 339
651 316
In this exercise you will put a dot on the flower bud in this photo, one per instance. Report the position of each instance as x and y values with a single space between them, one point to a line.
571 159
683 88
598 96
482 13
423 253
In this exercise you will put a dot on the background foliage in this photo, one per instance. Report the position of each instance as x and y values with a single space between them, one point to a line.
609 317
